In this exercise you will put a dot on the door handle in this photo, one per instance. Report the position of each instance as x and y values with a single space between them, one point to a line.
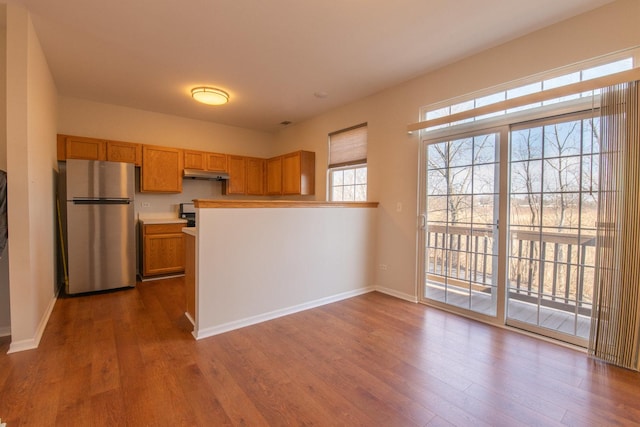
422 221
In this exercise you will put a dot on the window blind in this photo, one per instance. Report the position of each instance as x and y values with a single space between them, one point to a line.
348 146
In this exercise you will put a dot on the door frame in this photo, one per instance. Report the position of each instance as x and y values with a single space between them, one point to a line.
502 132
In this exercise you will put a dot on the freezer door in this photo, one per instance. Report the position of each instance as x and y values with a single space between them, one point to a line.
97 179
101 242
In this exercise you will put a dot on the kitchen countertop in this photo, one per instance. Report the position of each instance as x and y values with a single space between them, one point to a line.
190 231
148 221
204 203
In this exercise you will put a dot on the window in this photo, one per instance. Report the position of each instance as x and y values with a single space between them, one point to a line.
516 89
348 164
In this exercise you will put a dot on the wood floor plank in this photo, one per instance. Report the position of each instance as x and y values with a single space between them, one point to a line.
280 398
207 409
317 381
128 358
240 409
333 350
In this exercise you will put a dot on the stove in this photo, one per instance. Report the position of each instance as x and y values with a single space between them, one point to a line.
188 212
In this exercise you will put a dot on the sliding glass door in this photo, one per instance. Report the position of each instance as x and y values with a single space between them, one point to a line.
553 201
460 222
508 230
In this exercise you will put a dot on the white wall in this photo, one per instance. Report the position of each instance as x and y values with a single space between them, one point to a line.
5 313
257 264
393 154
3 86
31 162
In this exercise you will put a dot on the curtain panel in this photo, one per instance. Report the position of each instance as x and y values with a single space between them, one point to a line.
615 326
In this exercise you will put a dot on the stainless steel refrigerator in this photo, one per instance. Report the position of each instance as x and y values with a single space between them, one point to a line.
100 225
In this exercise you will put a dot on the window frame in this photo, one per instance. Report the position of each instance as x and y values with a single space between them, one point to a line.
580 67
330 186
360 163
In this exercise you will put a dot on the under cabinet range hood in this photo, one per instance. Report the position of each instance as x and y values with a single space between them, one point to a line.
200 174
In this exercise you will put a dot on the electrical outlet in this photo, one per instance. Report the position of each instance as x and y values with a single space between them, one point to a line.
383 266
399 207
145 204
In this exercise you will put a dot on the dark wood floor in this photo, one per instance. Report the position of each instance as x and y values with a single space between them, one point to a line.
127 359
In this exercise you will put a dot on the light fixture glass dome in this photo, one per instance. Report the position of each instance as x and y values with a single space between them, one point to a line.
210 95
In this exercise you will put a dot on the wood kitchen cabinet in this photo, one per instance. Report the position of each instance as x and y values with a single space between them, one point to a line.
194 160
161 169
237 182
61 147
274 176
298 173
256 176
292 174
202 160
163 250
128 152
216 162
246 176
79 147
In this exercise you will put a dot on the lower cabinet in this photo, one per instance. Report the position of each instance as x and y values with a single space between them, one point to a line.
163 249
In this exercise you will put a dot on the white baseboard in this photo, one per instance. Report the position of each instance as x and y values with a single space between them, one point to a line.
5 331
31 343
397 294
241 323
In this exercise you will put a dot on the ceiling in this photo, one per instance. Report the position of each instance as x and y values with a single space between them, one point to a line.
272 56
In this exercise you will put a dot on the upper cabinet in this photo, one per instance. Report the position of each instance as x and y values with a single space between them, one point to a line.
161 169
194 160
246 176
274 176
78 147
256 176
201 160
217 162
237 182
128 152
295 176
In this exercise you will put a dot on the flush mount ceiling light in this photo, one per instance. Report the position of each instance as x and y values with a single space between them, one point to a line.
210 95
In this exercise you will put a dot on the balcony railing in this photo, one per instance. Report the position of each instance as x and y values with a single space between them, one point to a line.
547 268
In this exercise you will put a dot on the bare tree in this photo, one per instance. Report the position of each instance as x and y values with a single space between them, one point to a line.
456 176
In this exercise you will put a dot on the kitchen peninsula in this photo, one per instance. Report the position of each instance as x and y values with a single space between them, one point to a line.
257 260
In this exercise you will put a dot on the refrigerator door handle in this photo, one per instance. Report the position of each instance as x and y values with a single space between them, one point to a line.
101 201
